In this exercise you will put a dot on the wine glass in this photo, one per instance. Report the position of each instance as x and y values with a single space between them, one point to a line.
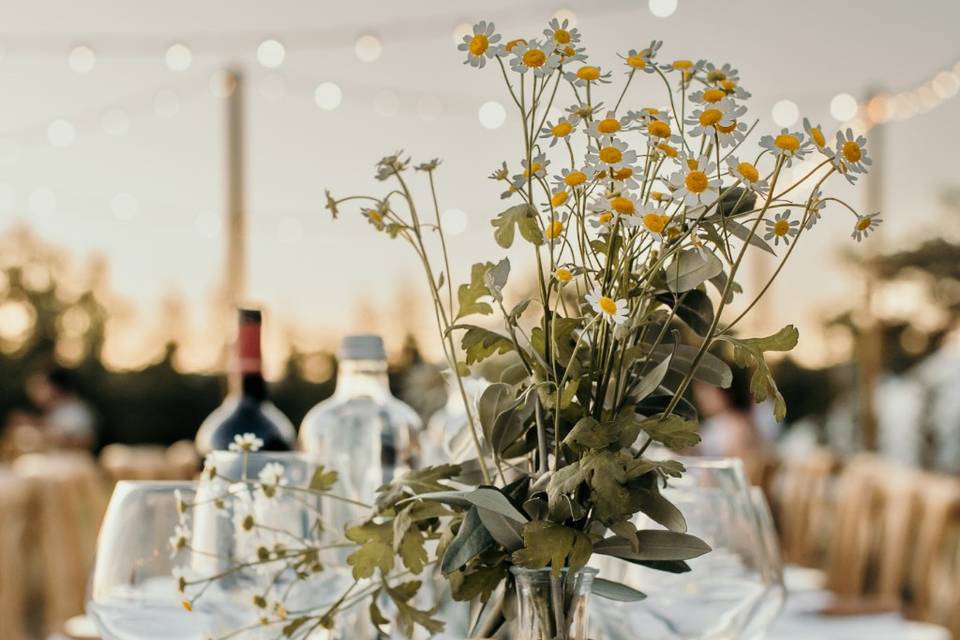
767 608
725 589
133 593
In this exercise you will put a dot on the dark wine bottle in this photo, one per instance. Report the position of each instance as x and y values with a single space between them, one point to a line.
250 410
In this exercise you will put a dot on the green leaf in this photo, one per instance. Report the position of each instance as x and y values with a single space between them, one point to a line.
749 353
408 616
489 498
693 307
322 479
652 380
653 545
471 540
711 369
546 543
588 433
743 233
496 279
428 479
412 551
370 556
736 201
615 591
479 344
479 582
468 295
376 616
672 431
690 268
291 627
524 217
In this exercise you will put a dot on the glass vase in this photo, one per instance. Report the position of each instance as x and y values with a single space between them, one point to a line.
553 607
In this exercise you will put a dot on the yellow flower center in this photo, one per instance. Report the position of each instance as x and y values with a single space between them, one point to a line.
588 73
607 305
561 129
817 136
667 149
623 173
673 233
659 128
553 230
532 169
562 36
563 274
863 224
781 227
714 95
692 163
637 61
186 605
605 217
376 217
657 195
558 198
728 85
787 142
608 125
655 222
748 171
716 76
622 205
851 151
513 43
728 128
568 51
611 155
696 181
575 178
534 58
710 117
479 44
682 64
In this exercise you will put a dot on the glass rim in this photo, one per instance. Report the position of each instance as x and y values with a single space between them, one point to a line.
524 571
133 484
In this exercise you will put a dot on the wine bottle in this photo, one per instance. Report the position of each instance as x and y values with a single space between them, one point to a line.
250 410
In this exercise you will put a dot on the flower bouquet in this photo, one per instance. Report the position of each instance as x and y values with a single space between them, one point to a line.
638 205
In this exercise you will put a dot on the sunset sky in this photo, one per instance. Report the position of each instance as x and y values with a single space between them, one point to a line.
135 172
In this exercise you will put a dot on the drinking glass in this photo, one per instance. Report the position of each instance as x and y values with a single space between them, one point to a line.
767 608
726 590
133 593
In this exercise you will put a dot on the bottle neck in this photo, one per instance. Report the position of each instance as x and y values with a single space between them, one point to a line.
249 363
362 378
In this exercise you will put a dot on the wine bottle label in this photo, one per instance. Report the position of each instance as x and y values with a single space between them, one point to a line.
248 348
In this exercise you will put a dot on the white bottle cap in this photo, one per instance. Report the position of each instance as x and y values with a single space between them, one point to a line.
362 347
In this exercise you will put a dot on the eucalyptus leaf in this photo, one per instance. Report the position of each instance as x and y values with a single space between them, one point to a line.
506 531
494 400
472 539
743 233
711 369
652 379
654 545
615 591
489 498
693 307
496 278
690 268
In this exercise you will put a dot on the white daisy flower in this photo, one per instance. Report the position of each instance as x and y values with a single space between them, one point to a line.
535 56
558 198
247 442
574 178
537 167
625 177
864 225
814 209
643 59
587 74
787 144
179 540
571 53
852 151
561 33
622 204
711 119
687 68
748 174
608 126
815 132
781 228
602 219
718 75
272 474
710 95
481 45
244 517
553 231
694 183
653 217
612 154
615 311
559 130
584 111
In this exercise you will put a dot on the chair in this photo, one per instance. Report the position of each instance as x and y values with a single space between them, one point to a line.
800 495
14 515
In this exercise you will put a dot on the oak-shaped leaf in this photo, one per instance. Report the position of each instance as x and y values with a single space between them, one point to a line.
546 543
523 217
749 353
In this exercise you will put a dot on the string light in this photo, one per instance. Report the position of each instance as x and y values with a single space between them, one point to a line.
271 53
903 105
179 57
785 113
82 59
368 48
328 95
492 115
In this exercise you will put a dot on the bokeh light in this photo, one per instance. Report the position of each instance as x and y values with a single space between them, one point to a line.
61 133
492 114
566 14
663 8
454 222
368 48
328 95
271 53
843 107
461 31
82 59
179 57
785 113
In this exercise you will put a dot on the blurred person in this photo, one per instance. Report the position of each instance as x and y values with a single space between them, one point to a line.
728 426
67 421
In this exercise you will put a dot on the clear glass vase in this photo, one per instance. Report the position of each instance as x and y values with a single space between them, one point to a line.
553 607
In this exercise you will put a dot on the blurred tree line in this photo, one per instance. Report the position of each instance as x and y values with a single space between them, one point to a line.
48 319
